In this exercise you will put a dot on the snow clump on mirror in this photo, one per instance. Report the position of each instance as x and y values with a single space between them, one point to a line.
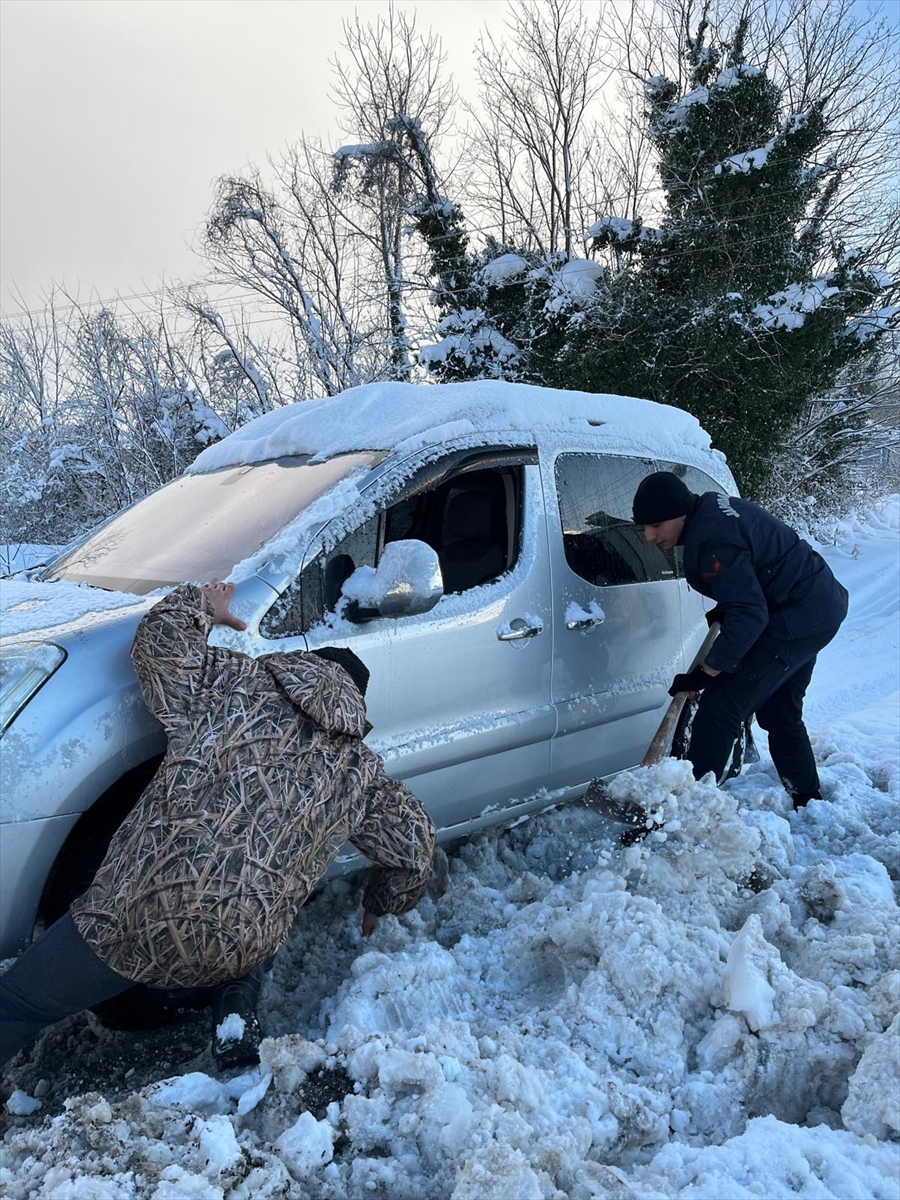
409 567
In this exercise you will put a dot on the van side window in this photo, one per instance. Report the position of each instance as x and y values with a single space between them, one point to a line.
698 482
472 519
602 543
695 480
318 587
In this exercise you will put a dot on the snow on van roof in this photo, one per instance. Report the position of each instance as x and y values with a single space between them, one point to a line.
406 416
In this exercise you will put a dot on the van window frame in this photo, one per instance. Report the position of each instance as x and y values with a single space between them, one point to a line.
311 609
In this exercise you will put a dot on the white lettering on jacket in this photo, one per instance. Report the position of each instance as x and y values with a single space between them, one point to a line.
725 504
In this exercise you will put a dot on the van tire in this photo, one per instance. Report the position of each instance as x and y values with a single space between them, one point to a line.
82 852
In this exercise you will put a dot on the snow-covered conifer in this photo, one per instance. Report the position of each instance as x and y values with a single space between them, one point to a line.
734 307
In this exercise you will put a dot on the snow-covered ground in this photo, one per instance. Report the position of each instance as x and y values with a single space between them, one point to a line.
709 1015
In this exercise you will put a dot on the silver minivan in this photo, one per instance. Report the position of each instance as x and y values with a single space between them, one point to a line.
474 546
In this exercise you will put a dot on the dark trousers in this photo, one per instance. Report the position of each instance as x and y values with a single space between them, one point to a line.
771 683
57 976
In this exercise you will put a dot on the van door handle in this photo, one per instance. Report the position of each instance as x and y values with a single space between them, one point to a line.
585 623
517 629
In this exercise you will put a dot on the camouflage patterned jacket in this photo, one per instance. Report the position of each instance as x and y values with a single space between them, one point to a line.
264 779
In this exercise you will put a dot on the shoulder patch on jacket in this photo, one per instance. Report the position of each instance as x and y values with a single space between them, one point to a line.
711 566
725 505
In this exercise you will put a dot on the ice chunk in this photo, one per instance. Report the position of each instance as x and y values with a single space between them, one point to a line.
20 1104
231 1028
249 1098
195 1090
873 1102
498 1172
720 1045
747 986
290 1059
306 1146
218 1145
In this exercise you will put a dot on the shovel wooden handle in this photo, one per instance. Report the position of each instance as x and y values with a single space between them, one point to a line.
663 737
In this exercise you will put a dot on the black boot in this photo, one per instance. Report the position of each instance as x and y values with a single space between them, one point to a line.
801 799
235 1028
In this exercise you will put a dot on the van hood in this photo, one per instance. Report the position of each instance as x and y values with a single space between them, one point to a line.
29 611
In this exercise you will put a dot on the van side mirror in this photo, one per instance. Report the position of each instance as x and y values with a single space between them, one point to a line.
405 583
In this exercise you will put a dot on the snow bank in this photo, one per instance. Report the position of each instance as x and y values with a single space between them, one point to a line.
772 1160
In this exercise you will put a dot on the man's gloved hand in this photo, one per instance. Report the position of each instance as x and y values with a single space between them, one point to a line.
690 681
715 614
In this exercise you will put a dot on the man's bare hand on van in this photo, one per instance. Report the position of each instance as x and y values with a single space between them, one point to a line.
219 596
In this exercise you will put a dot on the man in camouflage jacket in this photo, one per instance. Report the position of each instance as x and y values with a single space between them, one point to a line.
265 778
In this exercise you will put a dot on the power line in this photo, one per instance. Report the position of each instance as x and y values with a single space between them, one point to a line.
78 304
73 305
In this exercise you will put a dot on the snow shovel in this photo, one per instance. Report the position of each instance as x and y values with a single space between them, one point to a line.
631 812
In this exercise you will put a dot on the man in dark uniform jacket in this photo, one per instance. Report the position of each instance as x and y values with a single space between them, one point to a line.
778 604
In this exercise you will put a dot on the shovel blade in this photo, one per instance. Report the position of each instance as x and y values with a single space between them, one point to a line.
626 812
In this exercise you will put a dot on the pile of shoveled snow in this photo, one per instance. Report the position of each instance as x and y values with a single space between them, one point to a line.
711 1014
565 1020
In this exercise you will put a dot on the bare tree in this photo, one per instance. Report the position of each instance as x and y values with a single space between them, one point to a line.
532 138
241 375
846 444
324 245
95 410
289 250
389 79
31 367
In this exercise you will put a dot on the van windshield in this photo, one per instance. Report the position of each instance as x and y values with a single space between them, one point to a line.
199 527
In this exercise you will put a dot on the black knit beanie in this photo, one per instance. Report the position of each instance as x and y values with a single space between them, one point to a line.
354 666
660 497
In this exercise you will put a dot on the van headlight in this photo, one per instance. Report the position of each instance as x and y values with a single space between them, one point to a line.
24 667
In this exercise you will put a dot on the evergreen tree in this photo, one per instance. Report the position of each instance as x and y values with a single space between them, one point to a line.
725 309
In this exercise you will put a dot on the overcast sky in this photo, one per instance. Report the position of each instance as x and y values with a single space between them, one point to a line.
117 116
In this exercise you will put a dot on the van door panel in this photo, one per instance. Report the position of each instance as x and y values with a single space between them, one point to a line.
461 715
467 719
610 679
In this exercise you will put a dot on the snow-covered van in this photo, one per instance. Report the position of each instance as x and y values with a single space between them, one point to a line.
471 542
